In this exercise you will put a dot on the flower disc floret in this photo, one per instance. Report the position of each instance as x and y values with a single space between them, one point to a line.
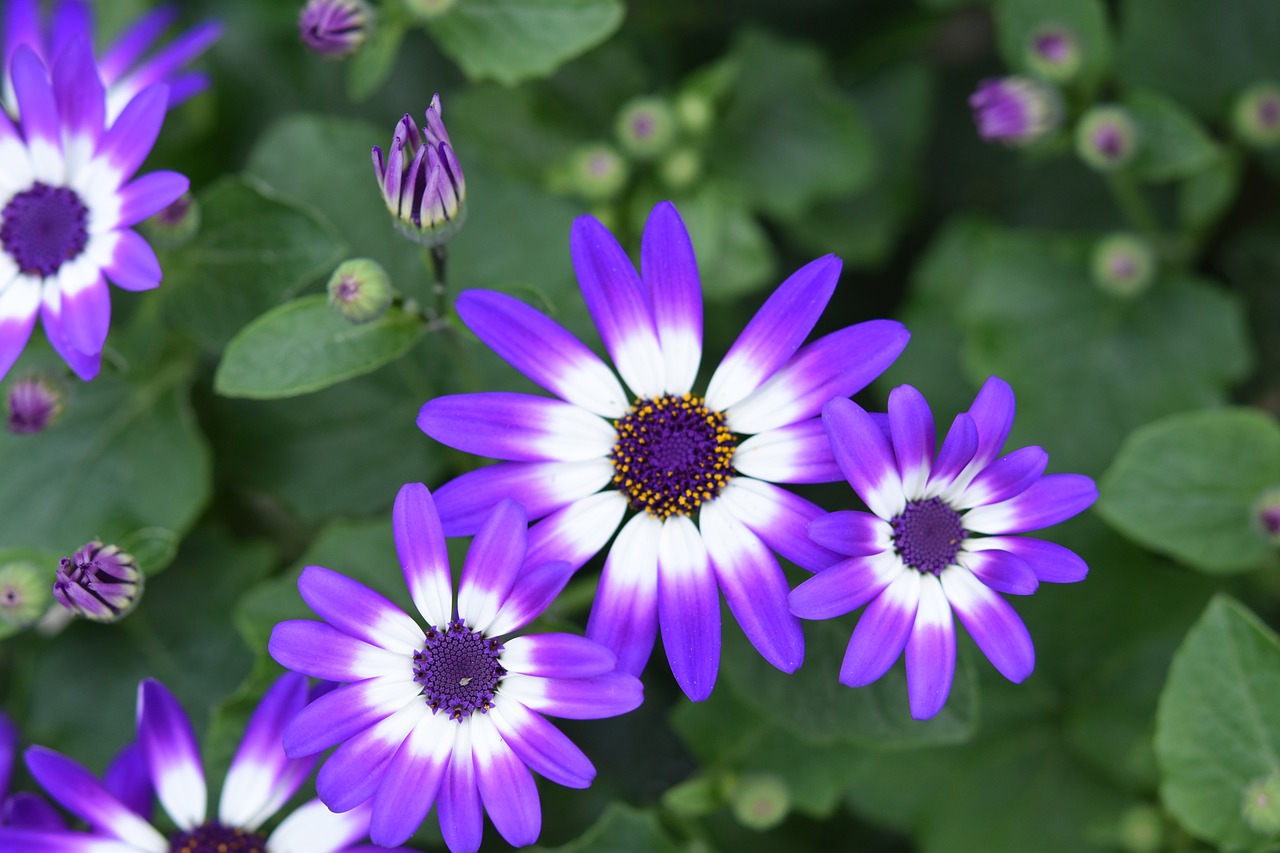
927 535
44 227
216 838
672 454
459 670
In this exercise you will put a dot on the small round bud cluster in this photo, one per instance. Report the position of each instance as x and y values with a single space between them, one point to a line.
1107 137
24 593
1261 805
1256 116
1015 110
646 127
597 172
99 582
360 290
34 405
177 224
1053 52
760 801
1123 264
335 29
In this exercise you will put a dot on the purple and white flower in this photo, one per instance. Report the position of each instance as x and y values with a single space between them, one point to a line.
940 538
696 472
165 763
122 72
1015 110
450 714
68 202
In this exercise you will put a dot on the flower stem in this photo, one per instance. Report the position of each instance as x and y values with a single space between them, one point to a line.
1133 204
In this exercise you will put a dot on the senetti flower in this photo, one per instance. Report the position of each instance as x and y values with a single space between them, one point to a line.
166 760
448 714
120 68
695 471
939 538
1014 110
68 204
421 180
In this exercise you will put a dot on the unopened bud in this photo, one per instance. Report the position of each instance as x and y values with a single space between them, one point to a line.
1261 806
597 172
694 112
1123 264
760 801
1142 830
1107 137
646 127
1015 110
421 180
99 582
1266 515
24 593
1053 52
34 404
680 169
176 224
1256 116
335 28
359 290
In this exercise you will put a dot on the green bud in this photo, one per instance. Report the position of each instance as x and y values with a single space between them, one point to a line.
25 593
175 225
426 10
694 112
1107 137
1053 52
680 169
760 801
359 290
1256 117
597 172
646 127
1123 265
1142 830
1261 806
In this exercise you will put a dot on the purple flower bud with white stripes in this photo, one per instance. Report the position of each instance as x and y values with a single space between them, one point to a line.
1015 110
421 180
99 582
335 28
34 404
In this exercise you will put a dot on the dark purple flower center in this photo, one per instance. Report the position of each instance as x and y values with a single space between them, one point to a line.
459 670
672 454
1109 141
928 534
44 227
216 838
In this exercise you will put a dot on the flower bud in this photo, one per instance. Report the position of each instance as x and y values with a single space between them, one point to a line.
24 593
1266 515
421 180
680 169
177 224
1015 110
99 582
1261 806
335 28
359 290
1123 264
1053 52
597 172
426 10
1107 137
646 127
1142 830
34 404
1256 116
694 112
760 801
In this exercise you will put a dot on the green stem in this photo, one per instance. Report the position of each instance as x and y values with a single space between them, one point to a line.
1133 204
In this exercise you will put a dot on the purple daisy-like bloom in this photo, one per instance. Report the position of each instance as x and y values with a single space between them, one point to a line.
1014 110
68 202
449 715
698 472
123 74
939 539
165 762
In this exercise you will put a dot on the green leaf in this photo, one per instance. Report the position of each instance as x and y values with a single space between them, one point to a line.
305 345
254 250
789 137
1218 724
1018 21
1205 196
125 463
1185 486
621 829
1088 368
512 40
1172 143
372 65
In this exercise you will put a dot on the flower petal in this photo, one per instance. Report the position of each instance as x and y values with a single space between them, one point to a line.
128 141
322 651
81 100
775 332
753 585
506 786
423 557
624 616
1051 499
853 533
86 307
173 756
1001 570
76 789
341 713
19 303
413 778
837 365
931 651
541 487
992 412
1050 561
780 518
865 456
912 433
518 427
540 745
258 782
531 594
132 265
557 656
577 532
844 587
492 564
458 800
882 631
313 828
128 779
146 196
1008 476
541 349
796 453
54 841
595 698
354 609
85 365
954 456
669 271
39 111
992 623
353 773
688 608
619 306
